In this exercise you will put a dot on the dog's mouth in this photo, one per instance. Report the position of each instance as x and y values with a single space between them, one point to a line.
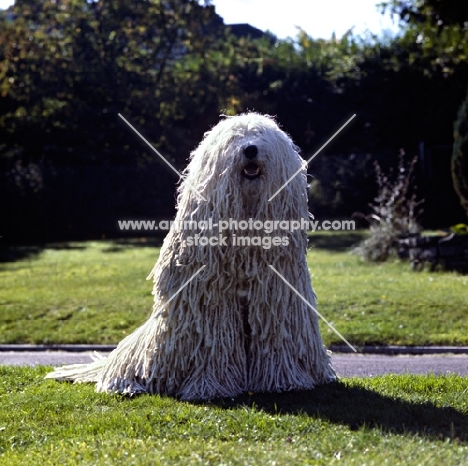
251 171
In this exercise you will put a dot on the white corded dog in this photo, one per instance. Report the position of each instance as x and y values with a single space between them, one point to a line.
224 322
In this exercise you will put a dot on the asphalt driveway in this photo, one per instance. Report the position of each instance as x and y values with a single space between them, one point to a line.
346 365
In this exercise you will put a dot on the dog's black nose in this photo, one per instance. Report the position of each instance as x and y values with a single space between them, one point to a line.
251 152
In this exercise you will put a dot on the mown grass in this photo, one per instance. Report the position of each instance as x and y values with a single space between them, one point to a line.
96 292
410 420
386 303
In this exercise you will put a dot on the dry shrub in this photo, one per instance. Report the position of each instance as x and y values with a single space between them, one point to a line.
394 211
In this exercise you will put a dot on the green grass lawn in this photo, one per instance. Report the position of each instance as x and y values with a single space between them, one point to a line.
394 420
96 292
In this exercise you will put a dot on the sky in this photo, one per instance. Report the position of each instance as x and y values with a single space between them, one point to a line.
319 18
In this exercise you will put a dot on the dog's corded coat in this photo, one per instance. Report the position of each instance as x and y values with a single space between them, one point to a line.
236 326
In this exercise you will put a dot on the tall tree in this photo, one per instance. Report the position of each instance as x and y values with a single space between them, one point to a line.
441 28
460 155
69 66
438 27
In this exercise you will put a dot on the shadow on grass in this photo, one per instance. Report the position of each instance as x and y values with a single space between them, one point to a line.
10 253
122 244
17 253
337 242
359 407
14 253
333 241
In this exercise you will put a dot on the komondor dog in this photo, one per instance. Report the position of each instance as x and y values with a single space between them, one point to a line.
225 320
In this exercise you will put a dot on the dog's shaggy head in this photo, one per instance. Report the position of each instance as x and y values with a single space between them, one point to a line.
244 159
223 322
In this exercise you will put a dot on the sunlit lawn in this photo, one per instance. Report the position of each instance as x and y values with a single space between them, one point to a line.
96 292
394 420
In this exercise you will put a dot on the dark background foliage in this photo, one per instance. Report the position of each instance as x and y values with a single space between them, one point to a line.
70 168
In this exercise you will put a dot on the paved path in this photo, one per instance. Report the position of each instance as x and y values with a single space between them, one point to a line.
346 365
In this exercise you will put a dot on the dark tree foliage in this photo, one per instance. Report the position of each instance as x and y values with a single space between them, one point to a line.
460 155
67 68
438 12
69 167
440 28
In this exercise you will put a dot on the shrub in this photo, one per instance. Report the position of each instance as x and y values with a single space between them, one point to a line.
394 211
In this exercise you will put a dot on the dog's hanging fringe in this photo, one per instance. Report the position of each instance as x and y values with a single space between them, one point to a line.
236 326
